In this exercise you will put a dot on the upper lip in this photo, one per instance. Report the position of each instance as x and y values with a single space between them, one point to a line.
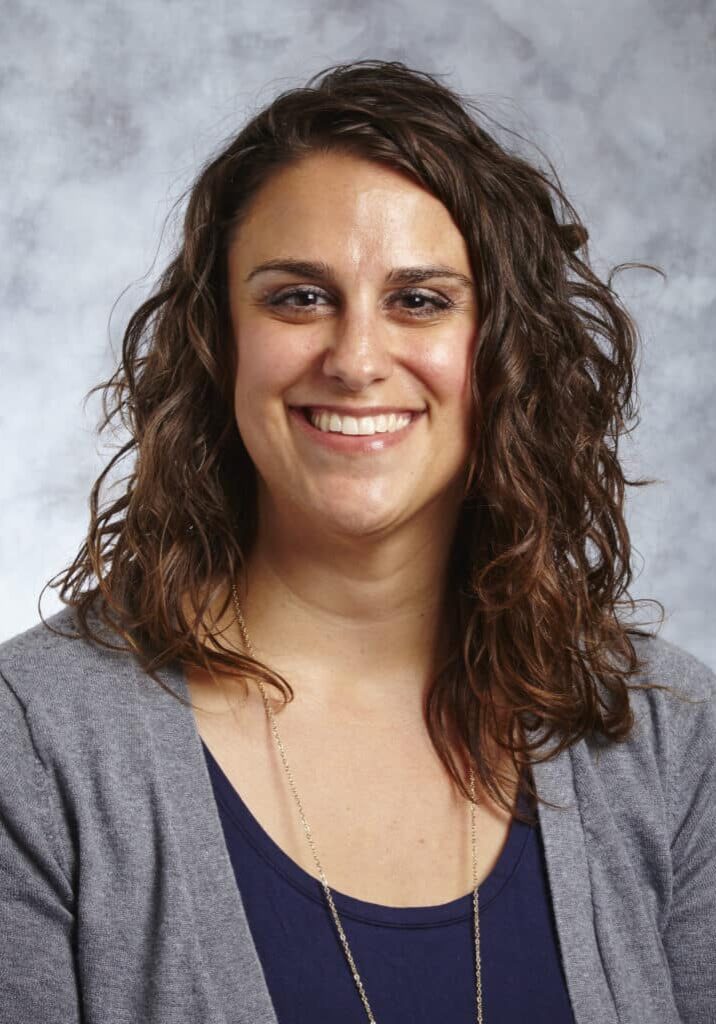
362 410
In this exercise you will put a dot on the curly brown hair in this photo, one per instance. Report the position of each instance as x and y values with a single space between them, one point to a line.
540 559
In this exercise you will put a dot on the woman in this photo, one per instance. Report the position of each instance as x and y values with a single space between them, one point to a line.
374 403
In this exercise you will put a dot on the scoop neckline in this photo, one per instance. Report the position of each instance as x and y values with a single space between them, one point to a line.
242 818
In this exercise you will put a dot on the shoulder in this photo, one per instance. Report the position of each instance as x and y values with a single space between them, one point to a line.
51 666
666 721
667 662
686 712
645 784
79 708
636 796
641 779
682 728
89 745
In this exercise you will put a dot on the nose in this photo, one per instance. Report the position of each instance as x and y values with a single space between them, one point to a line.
357 351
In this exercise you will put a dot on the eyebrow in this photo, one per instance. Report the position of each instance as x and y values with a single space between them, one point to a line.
320 271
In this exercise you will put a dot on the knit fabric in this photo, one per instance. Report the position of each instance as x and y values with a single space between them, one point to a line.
118 898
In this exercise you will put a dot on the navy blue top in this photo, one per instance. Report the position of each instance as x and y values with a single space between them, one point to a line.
416 963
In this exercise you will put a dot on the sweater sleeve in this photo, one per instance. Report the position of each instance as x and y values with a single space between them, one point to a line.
37 965
690 931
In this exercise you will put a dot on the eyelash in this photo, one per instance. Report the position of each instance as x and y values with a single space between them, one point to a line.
440 304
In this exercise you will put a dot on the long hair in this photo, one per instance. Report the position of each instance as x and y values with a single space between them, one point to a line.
541 558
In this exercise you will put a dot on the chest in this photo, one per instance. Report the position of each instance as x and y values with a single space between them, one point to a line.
386 821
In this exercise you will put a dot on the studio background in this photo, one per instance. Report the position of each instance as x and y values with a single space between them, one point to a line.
108 110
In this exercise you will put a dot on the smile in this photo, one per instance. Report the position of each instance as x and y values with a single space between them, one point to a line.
354 425
351 434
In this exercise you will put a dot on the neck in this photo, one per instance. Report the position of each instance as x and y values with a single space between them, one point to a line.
347 620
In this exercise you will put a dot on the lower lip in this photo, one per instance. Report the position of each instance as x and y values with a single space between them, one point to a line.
350 443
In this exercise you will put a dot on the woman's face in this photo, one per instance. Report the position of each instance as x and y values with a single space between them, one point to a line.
361 334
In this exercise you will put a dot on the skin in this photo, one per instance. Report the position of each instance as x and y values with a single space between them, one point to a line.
345 581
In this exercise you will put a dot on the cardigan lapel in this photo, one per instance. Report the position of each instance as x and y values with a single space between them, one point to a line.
569 881
627 931
229 975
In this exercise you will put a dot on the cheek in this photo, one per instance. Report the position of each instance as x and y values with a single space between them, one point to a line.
446 366
269 361
269 364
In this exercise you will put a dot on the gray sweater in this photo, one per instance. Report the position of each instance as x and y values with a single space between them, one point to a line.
118 899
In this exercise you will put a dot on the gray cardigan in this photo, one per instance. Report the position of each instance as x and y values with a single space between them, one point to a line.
119 904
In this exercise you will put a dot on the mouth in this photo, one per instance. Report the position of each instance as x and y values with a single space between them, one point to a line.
381 432
360 422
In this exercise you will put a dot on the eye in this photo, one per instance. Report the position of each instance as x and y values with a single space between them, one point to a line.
303 293
430 302
436 303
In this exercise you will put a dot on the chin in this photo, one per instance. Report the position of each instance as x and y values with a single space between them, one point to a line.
356 521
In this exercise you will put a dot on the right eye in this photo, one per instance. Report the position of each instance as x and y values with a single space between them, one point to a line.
303 293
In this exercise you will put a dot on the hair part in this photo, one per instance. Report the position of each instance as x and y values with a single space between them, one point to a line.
541 559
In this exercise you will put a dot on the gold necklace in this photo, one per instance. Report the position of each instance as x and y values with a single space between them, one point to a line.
307 830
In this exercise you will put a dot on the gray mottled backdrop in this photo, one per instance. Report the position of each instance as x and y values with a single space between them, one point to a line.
108 109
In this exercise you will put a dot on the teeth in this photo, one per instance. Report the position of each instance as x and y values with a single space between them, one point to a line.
383 424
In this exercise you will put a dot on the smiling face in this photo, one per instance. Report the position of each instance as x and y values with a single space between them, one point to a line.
346 336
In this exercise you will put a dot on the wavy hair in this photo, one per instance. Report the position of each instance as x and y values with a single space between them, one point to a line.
541 557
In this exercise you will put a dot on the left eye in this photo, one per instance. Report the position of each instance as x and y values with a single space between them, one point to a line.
434 302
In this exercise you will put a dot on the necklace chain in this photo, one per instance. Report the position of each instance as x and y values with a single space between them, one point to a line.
307 830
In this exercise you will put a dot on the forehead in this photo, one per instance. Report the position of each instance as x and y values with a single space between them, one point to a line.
342 208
